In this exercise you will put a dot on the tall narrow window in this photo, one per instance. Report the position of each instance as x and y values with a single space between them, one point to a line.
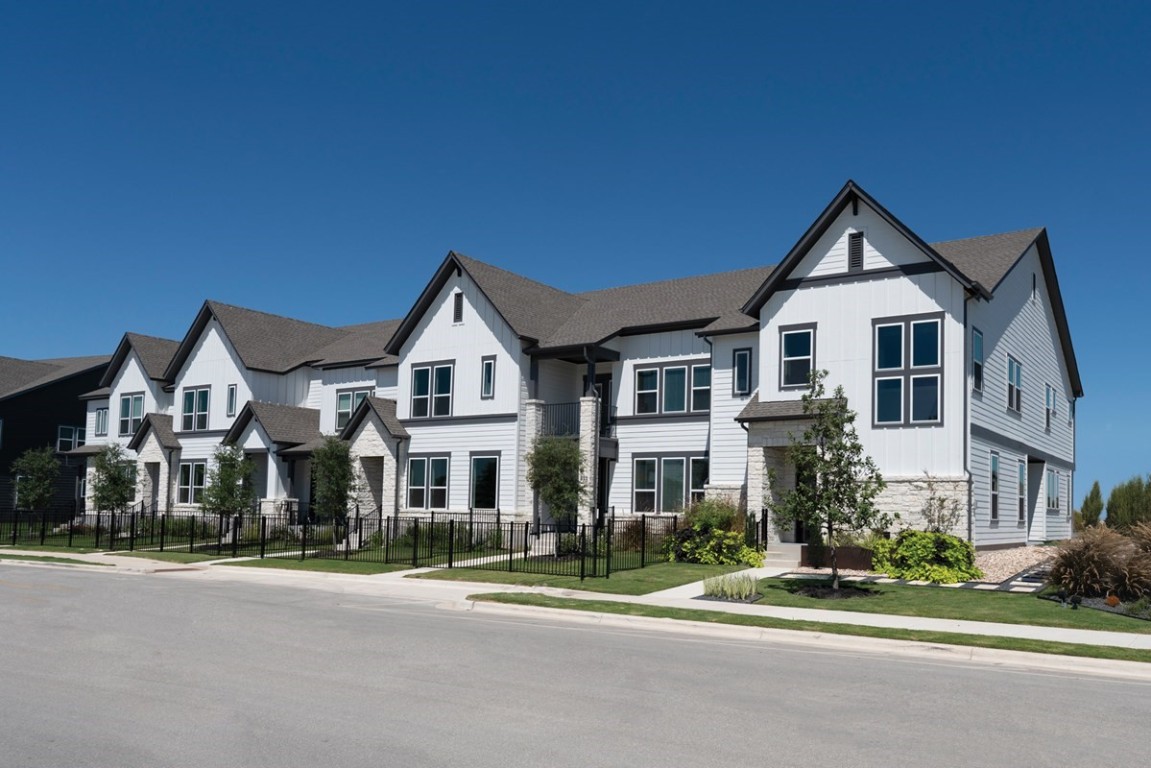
101 425
797 357
855 252
485 482
701 387
421 392
1050 406
647 391
699 478
673 486
1022 491
1052 490
231 411
191 485
994 486
195 413
644 486
1014 384
457 307
131 413
977 360
488 378
741 372
442 390
674 390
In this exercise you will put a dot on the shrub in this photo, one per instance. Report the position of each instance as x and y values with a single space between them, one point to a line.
1140 535
714 547
1089 564
714 514
924 556
1133 578
732 586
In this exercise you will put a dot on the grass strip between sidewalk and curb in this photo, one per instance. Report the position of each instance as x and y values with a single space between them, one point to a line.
48 559
318 565
767 622
641 581
937 602
170 557
50 548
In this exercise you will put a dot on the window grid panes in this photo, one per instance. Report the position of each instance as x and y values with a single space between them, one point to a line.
191 485
977 360
668 484
488 378
643 496
908 376
195 413
231 409
741 372
701 387
797 358
1014 384
347 403
101 425
1022 491
131 413
674 390
647 391
995 486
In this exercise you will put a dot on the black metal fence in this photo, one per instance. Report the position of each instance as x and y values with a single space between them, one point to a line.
474 539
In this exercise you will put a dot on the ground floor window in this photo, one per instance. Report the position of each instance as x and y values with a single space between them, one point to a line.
1053 490
668 483
1022 491
485 491
994 486
191 485
428 482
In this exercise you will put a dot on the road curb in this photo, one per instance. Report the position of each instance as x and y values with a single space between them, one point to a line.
1022 660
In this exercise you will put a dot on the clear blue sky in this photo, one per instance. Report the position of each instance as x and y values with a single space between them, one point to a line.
319 159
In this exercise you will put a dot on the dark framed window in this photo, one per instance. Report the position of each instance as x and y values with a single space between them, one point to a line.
977 360
668 483
1022 491
346 404
701 388
231 409
488 378
908 371
191 484
673 388
195 412
647 390
131 413
994 486
741 371
1014 384
428 482
796 356
101 425
1050 406
68 438
432 390
485 490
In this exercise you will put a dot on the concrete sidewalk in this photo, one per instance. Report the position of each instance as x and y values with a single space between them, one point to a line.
456 593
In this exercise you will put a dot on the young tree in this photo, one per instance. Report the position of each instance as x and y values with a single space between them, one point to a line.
113 479
36 471
554 472
229 488
1129 503
843 481
333 479
1092 506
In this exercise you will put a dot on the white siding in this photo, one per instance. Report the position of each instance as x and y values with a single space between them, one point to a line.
459 439
292 388
336 380
649 349
131 379
666 437
212 363
387 382
728 439
883 247
559 382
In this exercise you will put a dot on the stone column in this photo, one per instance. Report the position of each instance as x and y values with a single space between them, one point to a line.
589 453
531 424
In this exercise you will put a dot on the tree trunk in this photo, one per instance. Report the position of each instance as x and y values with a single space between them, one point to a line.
834 563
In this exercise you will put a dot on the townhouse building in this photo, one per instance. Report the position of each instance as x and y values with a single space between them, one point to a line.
956 356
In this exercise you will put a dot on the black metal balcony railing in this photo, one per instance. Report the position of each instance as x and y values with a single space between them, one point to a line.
561 419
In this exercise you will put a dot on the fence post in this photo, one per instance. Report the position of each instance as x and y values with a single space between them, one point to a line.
71 522
191 533
263 536
415 542
132 532
304 540
582 551
452 540
643 541
387 540
112 520
43 525
609 531
237 527
15 525
512 544
163 530
348 533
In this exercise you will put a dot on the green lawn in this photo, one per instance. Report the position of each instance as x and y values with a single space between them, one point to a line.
4 555
49 548
712 617
323 566
951 603
640 581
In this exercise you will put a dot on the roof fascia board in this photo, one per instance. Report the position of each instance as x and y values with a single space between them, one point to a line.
423 302
851 193
1051 280
196 330
117 361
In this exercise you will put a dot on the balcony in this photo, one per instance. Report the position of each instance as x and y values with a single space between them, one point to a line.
561 420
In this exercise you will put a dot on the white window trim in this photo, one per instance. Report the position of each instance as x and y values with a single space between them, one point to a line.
231 403
938 342
487 381
100 427
658 392
902 399
902 347
784 359
938 398
690 491
693 388
994 481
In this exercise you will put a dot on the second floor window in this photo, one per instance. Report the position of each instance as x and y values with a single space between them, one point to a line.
1050 405
908 372
101 422
1014 384
673 389
487 378
741 372
346 403
195 413
796 356
432 390
977 360
131 413
231 400
68 438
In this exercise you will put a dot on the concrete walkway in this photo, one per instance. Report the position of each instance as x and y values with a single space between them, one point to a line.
455 594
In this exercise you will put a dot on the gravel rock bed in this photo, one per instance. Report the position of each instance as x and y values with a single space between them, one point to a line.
997 565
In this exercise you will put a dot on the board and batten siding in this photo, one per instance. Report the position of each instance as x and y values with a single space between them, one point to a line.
459 439
843 313
336 380
728 445
131 379
482 333
883 246
212 363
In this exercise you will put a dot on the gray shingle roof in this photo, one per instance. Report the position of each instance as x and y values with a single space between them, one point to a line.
385 411
18 376
772 410
284 424
359 344
161 425
533 310
153 353
267 342
701 299
987 259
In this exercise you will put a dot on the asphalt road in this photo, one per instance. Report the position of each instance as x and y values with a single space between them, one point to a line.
151 671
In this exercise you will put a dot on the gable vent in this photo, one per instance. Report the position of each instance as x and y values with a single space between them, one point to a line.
855 252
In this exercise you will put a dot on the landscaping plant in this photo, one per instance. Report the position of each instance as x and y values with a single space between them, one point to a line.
229 488
924 556
113 479
731 586
1089 564
712 535
554 473
36 471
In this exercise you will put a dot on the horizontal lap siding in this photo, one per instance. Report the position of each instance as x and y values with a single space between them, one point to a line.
662 437
460 440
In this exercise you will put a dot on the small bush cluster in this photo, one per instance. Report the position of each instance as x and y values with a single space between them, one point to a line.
926 556
713 535
732 586
1101 562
